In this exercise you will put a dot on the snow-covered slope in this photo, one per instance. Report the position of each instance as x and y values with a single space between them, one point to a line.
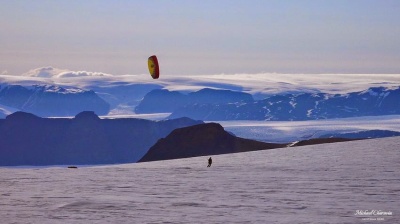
312 184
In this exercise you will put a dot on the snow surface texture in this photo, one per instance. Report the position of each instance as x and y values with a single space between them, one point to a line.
312 184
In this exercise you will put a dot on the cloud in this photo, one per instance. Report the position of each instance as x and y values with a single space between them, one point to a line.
71 74
5 72
50 72
44 72
259 84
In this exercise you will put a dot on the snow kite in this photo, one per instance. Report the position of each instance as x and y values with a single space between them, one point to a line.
153 67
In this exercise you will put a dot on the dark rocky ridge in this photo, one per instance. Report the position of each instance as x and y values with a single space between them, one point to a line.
201 140
26 139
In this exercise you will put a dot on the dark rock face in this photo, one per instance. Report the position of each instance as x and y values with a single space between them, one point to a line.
26 139
161 100
48 100
305 106
200 140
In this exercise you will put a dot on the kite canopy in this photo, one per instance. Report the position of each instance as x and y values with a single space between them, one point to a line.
153 67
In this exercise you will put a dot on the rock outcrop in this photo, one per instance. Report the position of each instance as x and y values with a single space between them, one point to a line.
201 140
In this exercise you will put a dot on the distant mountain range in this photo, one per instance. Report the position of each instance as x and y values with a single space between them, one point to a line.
126 94
205 104
162 100
26 139
305 106
51 100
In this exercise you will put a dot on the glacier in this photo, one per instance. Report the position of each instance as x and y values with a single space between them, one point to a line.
330 183
289 131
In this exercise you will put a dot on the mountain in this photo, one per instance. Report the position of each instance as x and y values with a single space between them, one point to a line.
201 140
119 94
51 100
124 92
26 139
306 106
162 100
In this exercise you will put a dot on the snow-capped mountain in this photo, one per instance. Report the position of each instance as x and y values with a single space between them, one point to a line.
162 100
52 100
305 106
125 92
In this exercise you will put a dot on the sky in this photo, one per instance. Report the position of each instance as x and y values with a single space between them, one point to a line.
201 37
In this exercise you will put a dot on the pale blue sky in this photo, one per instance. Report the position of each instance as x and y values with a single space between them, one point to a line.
201 37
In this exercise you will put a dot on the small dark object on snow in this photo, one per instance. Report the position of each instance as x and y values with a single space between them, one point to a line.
72 167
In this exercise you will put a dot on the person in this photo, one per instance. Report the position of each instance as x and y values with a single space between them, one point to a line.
209 162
